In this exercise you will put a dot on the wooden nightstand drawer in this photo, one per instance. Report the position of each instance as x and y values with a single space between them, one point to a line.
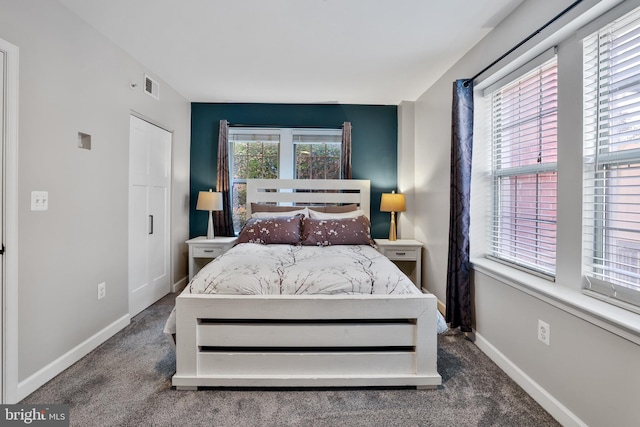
207 252
399 254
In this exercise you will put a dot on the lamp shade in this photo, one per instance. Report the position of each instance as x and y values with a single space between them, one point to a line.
209 201
392 202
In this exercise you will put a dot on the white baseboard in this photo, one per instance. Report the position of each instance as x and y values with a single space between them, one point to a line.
32 383
552 405
179 285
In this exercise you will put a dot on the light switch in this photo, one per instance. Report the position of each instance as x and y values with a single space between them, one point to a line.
39 200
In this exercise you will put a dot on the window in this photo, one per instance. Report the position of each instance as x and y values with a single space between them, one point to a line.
612 159
318 156
523 153
253 155
280 153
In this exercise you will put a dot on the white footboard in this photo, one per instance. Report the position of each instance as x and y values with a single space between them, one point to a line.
306 341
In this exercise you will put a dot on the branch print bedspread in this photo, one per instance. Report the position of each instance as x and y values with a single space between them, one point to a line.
253 269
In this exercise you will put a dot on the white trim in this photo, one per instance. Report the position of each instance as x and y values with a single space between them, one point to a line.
41 377
616 320
560 30
552 405
179 285
10 307
607 18
521 71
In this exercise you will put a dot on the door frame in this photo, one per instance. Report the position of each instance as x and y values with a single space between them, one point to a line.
9 330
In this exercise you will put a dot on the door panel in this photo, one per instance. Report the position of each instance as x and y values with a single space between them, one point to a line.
149 214
138 254
158 239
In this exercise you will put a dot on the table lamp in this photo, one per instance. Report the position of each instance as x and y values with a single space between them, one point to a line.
209 201
392 202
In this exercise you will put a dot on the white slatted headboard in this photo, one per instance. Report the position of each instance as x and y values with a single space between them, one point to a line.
283 192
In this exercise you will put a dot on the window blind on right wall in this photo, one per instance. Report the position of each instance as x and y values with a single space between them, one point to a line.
522 229
612 159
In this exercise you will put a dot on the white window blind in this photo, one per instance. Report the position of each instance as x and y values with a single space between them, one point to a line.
524 141
612 159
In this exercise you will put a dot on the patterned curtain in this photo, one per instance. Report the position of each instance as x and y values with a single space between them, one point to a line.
458 269
346 151
223 223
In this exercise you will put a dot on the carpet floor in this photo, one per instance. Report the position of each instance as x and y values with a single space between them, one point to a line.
127 382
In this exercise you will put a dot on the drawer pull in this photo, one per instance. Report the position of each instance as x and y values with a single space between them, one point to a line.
208 250
401 253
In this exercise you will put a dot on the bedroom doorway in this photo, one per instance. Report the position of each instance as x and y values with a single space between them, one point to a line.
9 55
2 83
149 214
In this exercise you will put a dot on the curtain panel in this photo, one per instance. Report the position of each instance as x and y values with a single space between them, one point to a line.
458 269
346 151
223 224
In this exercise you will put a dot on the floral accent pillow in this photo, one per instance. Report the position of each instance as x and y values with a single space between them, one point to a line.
336 231
274 230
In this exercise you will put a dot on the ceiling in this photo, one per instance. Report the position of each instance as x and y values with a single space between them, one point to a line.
295 51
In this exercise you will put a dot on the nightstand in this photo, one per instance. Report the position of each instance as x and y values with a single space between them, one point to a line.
406 254
203 250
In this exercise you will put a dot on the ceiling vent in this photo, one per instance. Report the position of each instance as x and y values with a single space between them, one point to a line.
151 87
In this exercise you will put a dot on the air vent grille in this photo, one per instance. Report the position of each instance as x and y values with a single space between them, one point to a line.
151 87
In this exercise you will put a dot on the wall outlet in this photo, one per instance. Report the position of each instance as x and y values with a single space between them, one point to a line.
102 290
544 332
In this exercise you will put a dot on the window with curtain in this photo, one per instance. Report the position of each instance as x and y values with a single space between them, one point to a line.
524 171
280 153
612 159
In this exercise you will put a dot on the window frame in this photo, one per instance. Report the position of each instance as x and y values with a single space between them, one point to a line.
286 150
498 172
604 159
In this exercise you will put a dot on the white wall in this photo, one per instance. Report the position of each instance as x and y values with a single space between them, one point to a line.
73 80
588 374
406 173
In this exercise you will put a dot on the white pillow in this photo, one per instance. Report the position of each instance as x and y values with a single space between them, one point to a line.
332 215
304 212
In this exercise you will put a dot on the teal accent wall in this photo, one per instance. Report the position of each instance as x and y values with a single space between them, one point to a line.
374 145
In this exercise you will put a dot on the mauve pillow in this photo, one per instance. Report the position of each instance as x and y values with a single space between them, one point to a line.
260 207
304 212
278 230
336 231
334 208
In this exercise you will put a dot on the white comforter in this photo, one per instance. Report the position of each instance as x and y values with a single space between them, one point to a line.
254 269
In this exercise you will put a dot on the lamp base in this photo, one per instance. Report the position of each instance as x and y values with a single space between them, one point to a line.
210 234
392 228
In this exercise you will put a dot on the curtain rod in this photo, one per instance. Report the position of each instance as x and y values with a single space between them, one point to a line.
532 35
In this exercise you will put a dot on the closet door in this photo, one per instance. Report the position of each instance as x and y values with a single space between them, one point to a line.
149 214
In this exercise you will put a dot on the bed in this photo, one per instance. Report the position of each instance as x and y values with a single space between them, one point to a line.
272 333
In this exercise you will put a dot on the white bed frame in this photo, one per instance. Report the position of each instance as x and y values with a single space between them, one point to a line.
306 341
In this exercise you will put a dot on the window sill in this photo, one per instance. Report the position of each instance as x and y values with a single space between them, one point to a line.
622 322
